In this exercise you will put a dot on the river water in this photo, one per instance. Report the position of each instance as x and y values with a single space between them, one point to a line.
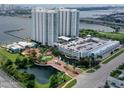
96 27
12 23
98 13
42 74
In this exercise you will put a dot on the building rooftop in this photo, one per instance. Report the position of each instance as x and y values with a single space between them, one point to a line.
64 38
24 43
20 45
86 44
14 46
47 10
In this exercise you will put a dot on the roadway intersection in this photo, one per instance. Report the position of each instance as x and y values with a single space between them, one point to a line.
98 78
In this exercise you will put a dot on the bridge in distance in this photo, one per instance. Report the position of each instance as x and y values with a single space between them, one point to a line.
101 22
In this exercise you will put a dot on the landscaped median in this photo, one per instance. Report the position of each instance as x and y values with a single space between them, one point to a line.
108 59
70 83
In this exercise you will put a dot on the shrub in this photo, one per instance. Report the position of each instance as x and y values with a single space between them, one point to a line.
121 67
71 84
91 71
115 73
97 67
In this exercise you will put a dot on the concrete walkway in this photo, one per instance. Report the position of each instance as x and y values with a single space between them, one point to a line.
67 83
60 65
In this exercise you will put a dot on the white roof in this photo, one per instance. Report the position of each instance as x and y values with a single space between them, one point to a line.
87 45
64 38
24 44
14 46
20 45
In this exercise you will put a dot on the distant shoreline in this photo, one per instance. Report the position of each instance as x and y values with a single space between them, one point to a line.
20 16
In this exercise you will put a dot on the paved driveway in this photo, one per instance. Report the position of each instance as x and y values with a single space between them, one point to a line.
6 81
98 78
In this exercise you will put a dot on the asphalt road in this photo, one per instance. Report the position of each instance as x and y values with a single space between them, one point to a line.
7 82
98 78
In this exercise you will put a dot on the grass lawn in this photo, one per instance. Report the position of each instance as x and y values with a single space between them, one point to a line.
46 58
108 59
39 85
113 35
110 35
67 79
4 54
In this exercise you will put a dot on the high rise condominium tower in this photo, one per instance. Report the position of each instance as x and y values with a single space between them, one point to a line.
45 26
68 22
48 24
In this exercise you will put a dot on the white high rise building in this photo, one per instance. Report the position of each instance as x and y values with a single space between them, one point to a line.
49 24
52 27
45 29
68 22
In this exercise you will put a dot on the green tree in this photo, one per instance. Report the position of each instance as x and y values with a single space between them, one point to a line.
11 69
84 62
17 61
115 73
121 66
53 81
30 84
55 51
30 61
21 63
92 60
117 29
30 81
8 63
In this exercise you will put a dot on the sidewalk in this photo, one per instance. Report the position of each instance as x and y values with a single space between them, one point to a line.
61 66
68 83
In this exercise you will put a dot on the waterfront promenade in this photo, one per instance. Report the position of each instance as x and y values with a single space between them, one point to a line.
61 66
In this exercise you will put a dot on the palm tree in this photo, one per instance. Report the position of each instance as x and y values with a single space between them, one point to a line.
92 59
85 61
